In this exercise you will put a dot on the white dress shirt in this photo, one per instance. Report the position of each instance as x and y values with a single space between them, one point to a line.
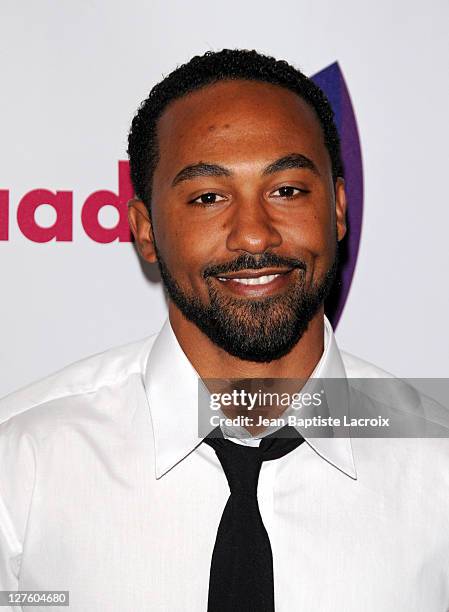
106 491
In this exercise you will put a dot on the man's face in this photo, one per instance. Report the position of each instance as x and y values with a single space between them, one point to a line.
245 215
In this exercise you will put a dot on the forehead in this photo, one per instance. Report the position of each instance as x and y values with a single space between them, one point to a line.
238 121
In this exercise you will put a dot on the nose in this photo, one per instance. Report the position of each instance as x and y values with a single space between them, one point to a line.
251 228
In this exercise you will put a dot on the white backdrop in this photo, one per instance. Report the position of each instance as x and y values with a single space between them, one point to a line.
73 74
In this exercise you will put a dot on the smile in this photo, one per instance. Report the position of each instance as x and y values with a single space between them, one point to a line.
256 283
258 280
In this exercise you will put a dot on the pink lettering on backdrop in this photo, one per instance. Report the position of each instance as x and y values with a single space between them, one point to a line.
98 199
61 201
4 214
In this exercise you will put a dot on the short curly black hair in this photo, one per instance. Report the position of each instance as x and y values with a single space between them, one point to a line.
202 70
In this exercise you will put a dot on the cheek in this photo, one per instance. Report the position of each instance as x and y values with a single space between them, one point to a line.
311 224
185 245
313 235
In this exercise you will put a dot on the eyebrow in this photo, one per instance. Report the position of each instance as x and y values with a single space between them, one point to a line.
200 169
288 162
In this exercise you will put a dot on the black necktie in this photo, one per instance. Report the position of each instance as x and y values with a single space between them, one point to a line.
241 573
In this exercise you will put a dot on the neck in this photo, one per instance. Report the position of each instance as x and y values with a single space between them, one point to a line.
210 361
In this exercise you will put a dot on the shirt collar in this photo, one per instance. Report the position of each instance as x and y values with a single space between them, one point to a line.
171 384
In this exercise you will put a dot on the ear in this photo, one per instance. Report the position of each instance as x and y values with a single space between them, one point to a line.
340 207
141 227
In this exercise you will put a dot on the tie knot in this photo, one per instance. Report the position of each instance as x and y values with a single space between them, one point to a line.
241 464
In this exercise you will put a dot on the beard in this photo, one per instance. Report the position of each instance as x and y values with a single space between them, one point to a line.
259 330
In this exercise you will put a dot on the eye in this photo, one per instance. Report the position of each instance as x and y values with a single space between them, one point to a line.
207 198
288 191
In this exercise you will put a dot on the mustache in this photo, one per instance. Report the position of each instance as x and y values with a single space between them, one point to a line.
250 262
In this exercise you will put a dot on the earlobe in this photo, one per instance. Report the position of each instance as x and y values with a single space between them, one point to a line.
340 207
141 228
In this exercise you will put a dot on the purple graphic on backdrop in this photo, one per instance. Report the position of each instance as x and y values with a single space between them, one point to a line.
332 82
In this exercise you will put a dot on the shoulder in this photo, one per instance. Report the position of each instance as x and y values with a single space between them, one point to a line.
359 368
416 408
42 419
79 378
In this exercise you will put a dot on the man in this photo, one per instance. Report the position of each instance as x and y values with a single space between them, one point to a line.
107 488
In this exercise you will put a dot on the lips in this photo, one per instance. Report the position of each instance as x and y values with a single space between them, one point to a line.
256 280
256 283
253 274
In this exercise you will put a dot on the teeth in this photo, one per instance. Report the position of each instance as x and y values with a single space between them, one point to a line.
260 280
